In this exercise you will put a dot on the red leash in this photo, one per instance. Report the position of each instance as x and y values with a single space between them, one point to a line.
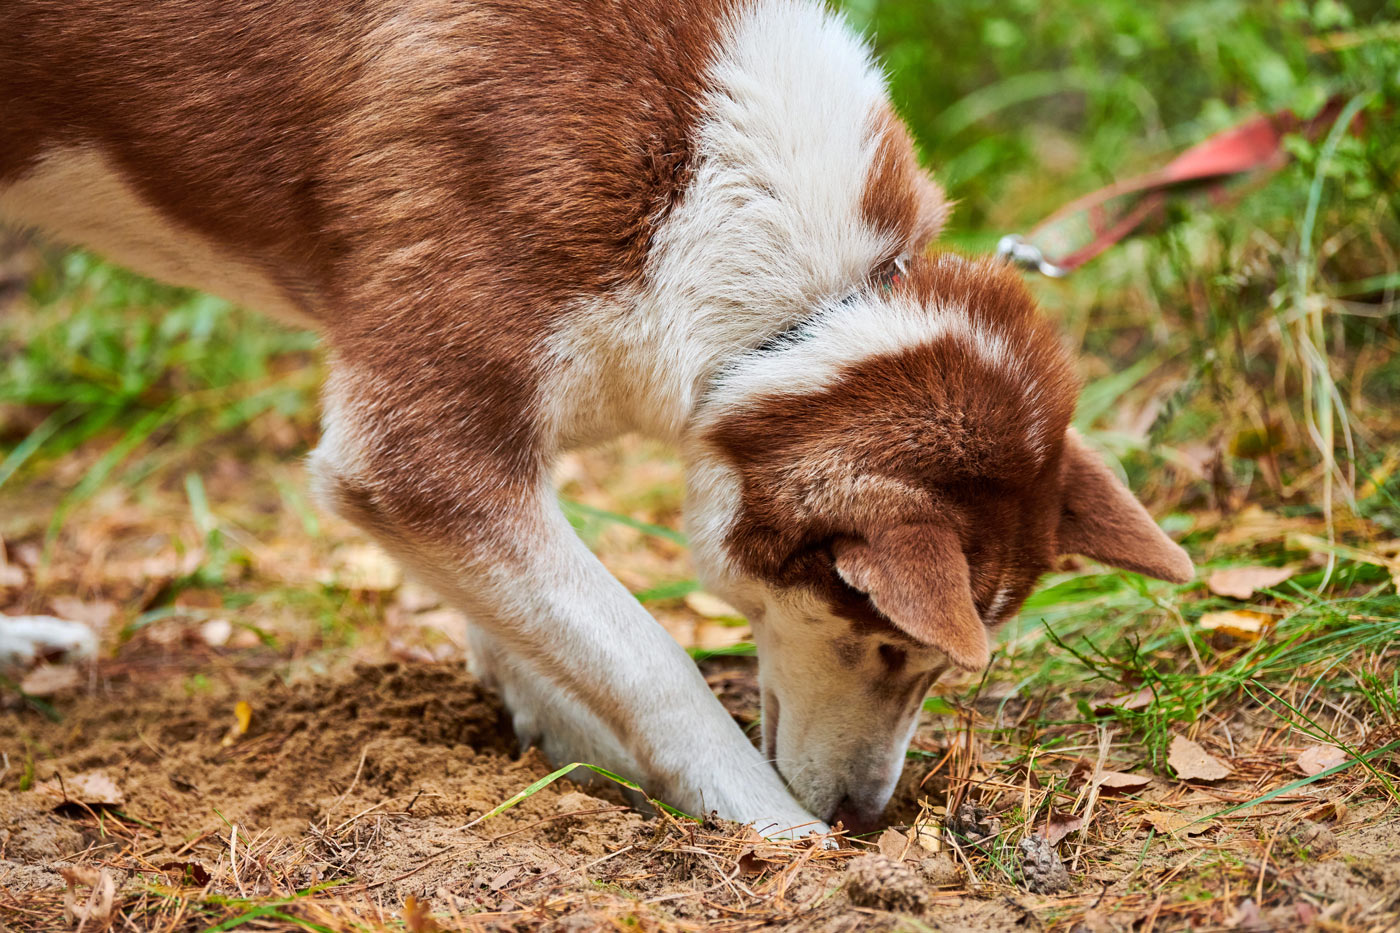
1087 226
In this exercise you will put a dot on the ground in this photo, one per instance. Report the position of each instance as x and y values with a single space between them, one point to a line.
278 732
351 795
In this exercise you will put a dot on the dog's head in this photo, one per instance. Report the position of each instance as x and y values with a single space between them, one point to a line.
881 487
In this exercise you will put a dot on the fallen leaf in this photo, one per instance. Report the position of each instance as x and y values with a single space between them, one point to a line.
48 679
710 606
96 615
1333 810
1246 917
101 902
1191 762
188 873
749 863
928 838
1244 582
1240 624
1254 525
505 877
1122 783
1165 821
893 844
243 718
1058 826
1140 698
365 567
1318 758
417 918
93 788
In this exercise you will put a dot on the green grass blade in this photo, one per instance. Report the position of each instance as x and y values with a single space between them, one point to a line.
656 531
558 773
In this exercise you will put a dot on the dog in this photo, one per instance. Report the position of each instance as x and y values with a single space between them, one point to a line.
524 227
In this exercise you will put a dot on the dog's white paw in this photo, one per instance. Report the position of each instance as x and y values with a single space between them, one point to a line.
25 640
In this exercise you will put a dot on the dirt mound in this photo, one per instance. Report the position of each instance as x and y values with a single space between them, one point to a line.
310 748
352 799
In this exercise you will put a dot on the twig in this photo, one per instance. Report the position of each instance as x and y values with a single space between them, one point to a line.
233 858
356 780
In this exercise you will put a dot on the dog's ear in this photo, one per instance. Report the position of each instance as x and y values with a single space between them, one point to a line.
1100 518
916 575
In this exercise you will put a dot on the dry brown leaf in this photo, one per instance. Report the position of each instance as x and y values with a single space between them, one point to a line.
711 607
1140 698
1239 624
96 615
505 877
417 918
1122 783
1191 762
1334 810
48 679
101 901
93 788
190 874
1165 821
893 844
1318 758
365 567
927 837
1244 582
1058 826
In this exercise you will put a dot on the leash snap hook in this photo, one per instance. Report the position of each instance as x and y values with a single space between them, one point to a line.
1014 249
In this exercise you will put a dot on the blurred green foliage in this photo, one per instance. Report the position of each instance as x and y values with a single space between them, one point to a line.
1076 94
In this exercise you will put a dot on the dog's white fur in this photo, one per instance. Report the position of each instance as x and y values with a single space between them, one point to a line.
764 234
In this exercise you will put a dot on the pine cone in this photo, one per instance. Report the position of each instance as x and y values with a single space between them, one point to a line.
973 823
1041 868
884 884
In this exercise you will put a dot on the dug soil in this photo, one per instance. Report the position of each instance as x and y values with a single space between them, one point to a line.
366 786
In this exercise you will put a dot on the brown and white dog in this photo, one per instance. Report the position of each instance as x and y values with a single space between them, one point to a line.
524 226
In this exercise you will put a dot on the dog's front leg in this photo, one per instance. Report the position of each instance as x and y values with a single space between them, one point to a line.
584 668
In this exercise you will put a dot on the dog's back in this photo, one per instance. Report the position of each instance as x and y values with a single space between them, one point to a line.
291 154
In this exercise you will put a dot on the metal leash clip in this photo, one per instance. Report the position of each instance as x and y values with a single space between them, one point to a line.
1014 249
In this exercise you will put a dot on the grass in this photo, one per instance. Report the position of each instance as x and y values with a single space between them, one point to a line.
1242 371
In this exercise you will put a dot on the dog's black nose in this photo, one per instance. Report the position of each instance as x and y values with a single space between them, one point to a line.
856 819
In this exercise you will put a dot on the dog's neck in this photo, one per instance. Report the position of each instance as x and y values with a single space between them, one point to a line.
804 189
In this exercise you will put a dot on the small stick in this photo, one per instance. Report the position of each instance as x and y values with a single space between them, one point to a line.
233 857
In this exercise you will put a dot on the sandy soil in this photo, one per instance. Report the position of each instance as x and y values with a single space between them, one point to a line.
371 777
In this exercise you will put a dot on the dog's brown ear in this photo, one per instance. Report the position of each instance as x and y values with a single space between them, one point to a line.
1100 518
916 575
